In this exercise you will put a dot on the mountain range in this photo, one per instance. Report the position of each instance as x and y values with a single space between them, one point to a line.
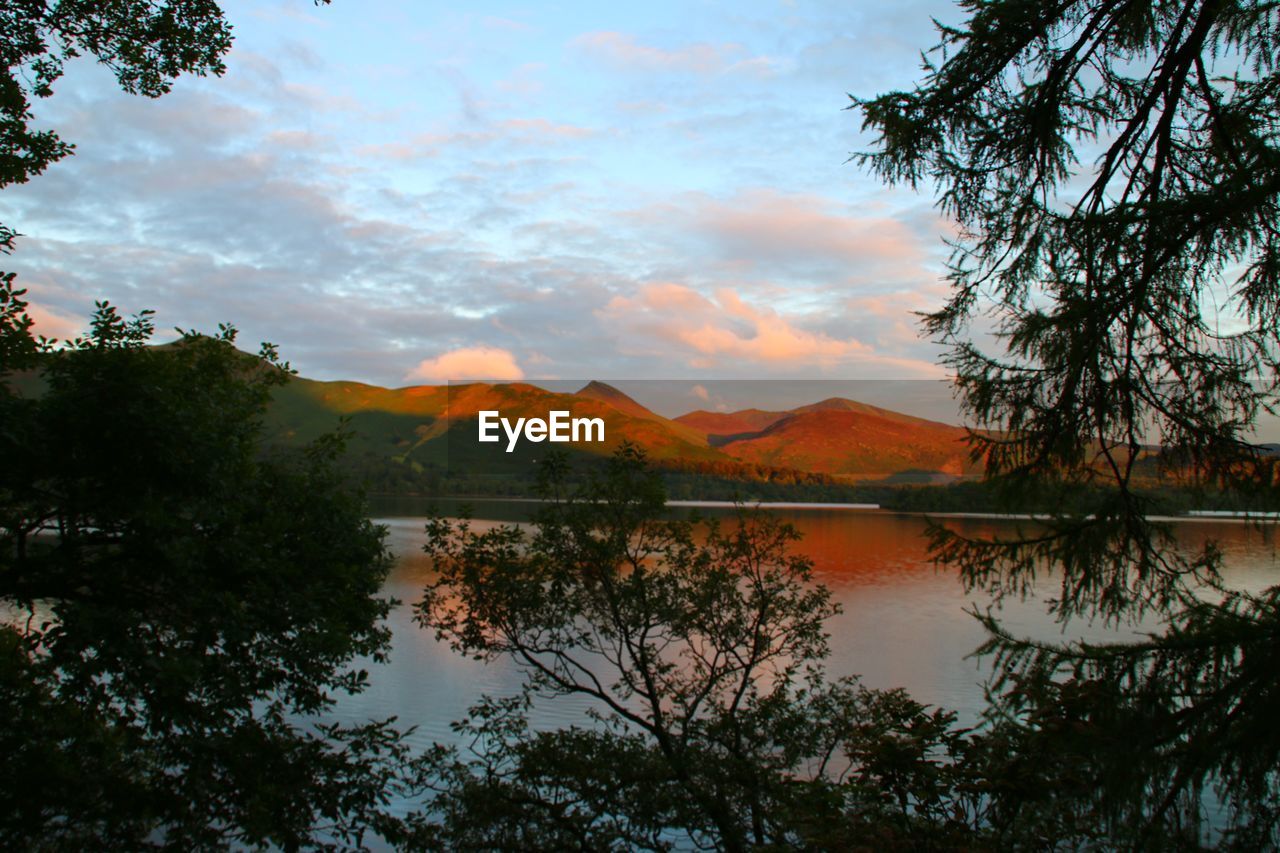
434 426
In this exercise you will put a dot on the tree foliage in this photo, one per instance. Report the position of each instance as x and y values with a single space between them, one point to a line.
1167 743
177 601
145 44
1114 170
700 653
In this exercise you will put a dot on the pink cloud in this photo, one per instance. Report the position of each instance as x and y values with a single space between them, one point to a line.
665 319
53 323
664 296
623 51
679 314
768 222
763 233
542 128
296 140
468 363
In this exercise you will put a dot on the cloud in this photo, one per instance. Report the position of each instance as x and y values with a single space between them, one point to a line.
518 131
662 228
541 128
766 223
700 392
622 51
726 329
468 363
805 234
52 323
799 247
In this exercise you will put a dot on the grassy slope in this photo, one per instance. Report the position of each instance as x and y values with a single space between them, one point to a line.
437 425
840 437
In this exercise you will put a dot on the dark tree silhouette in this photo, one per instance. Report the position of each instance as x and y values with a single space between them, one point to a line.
176 602
1114 169
702 656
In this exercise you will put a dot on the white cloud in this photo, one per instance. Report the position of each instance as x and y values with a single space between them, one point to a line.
468 363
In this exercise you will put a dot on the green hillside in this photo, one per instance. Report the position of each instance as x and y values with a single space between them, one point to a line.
426 436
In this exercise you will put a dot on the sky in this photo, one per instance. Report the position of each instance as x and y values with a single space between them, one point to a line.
410 192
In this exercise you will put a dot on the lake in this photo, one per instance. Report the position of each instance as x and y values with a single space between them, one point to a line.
904 622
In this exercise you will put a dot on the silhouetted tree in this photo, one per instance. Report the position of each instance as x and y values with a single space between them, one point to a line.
701 655
177 603
1114 170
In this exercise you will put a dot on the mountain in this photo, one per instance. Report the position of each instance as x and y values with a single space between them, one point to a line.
718 424
437 425
856 444
434 427
606 393
839 437
840 404
611 396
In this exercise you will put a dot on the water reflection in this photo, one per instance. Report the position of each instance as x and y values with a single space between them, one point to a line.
903 622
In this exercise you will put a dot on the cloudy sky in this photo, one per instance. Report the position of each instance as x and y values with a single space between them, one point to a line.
401 192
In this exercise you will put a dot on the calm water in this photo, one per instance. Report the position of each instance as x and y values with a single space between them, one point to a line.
903 623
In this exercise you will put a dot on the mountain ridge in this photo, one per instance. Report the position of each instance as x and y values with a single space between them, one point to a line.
434 426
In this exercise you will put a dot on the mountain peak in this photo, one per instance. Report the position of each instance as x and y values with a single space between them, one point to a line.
838 404
606 393
841 404
595 387
603 392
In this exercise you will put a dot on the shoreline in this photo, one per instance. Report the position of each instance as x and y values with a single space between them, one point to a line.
1190 516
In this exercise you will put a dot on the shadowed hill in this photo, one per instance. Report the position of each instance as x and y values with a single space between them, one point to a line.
435 427
611 396
429 432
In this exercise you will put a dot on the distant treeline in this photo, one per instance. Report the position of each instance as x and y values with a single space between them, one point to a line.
685 480
699 480
727 481
981 496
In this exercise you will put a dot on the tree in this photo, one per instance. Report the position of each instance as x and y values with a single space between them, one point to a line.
700 656
179 602
1114 170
